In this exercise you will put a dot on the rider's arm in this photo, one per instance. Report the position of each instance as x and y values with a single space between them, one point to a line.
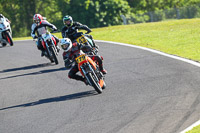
46 23
84 48
63 32
81 26
68 62
33 30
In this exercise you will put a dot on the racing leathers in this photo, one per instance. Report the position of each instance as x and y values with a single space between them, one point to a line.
71 32
69 59
41 29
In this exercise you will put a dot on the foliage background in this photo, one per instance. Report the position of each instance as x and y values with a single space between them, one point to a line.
94 13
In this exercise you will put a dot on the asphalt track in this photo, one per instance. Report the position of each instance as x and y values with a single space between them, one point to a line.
146 93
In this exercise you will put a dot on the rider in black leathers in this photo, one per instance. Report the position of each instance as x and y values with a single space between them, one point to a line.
70 29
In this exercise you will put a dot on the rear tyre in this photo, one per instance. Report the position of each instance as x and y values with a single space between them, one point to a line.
94 83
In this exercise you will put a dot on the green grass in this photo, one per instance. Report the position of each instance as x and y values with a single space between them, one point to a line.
195 130
177 37
22 38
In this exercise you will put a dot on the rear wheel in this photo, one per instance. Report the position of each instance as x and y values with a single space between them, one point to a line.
95 84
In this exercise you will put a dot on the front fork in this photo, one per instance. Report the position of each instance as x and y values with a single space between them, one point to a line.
53 47
91 71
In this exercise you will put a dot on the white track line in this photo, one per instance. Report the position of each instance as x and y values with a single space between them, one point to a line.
164 54
190 127
154 51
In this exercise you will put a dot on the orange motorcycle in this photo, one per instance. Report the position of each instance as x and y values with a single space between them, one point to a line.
90 70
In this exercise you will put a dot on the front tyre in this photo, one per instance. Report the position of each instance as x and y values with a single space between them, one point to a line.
9 38
94 83
104 85
52 49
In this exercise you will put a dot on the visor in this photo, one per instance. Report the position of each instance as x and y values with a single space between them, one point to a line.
67 22
36 21
64 46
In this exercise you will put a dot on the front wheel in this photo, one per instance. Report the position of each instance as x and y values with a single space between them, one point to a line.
53 52
94 83
9 38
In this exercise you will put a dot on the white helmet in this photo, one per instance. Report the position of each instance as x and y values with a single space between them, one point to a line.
66 44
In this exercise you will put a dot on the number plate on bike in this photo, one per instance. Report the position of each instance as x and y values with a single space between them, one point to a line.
80 58
81 39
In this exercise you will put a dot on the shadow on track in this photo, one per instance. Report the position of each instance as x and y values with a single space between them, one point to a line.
55 99
36 73
27 67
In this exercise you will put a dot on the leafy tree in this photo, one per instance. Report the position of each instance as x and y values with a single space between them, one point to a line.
90 12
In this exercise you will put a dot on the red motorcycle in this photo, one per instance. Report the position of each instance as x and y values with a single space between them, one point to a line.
90 70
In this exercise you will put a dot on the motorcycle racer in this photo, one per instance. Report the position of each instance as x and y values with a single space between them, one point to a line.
70 51
40 26
71 28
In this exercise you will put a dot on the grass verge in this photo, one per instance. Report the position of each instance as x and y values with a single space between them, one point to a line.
194 130
177 37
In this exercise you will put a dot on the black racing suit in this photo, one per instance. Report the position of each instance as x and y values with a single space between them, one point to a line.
69 58
71 32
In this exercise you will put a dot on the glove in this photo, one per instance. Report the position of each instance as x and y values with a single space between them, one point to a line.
88 32
55 29
35 37
68 63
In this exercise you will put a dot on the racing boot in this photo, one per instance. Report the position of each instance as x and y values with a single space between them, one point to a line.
102 69
95 45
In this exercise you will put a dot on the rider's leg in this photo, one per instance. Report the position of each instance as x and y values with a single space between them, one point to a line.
72 74
40 47
90 36
100 63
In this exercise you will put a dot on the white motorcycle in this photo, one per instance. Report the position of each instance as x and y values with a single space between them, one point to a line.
49 44
5 32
